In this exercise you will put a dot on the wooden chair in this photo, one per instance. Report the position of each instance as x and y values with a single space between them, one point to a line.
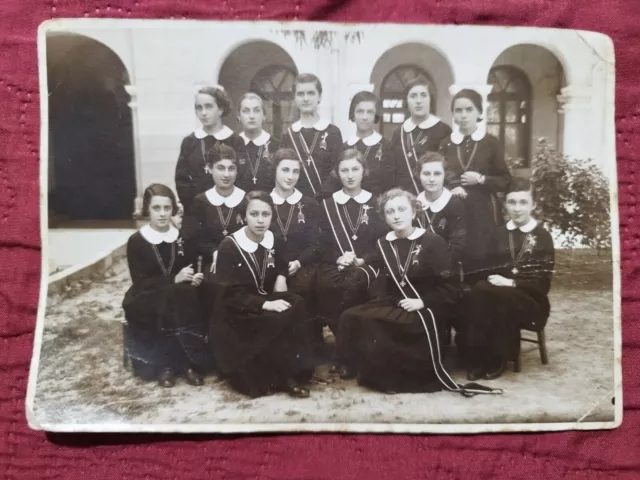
542 347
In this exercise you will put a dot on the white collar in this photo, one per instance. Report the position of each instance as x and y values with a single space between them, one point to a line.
457 137
526 228
342 198
292 199
320 125
231 201
249 245
417 233
438 204
369 141
155 237
409 125
223 134
258 141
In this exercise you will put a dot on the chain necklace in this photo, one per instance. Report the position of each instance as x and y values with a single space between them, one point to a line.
309 151
512 250
471 157
254 169
262 271
403 270
165 271
285 228
225 221
354 229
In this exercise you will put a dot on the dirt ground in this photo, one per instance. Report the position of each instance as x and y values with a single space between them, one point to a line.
82 380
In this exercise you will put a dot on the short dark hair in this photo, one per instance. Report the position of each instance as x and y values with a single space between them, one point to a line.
433 157
415 83
471 95
280 155
220 96
350 154
307 78
219 152
254 195
519 184
158 190
365 96
395 193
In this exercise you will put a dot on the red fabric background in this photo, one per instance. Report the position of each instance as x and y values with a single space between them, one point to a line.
28 454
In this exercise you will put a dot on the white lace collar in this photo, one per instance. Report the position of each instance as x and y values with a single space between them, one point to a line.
438 204
457 137
526 228
292 199
417 233
342 198
231 201
223 134
249 245
369 141
155 237
320 125
409 125
258 141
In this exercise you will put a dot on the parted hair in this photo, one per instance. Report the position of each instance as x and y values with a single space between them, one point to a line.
280 155
307 78
433 157
395 193
220 97
158 190
251 96
254 195
220 152
350 154
365 96
471 95
520 184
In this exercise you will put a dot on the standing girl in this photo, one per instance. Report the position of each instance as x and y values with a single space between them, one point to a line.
164 335
259 329
260 145
478 173
421 132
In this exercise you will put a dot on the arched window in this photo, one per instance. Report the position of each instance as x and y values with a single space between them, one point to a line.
274 84
391 92
509 113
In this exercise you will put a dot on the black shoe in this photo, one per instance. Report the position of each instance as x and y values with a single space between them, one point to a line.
167 379
194 378
347 374
295 390
496 371
475 373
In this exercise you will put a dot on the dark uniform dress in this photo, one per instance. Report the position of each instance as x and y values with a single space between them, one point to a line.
495 315
258 175
165 327
192 175
483 154
447 218
348 224
408 143
319 149
256 349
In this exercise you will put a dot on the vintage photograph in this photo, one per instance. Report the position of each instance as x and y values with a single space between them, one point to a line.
273 226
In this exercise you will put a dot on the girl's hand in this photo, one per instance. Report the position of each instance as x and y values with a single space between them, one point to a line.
411 304
459 192
197 279
185 275
276 306
294 267
500 281
358 262
343 261
470 178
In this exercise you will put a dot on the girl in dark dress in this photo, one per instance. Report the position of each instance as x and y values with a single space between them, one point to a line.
259 144
439 211
349 230
317 143
391 343
192 177
164 335
259 329
478 173
421 132
514 292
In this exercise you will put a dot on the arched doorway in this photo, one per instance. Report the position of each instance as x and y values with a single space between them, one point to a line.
268 70
523 103
90 132
397 67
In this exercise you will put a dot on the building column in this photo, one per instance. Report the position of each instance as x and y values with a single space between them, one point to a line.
133 104
575 106
484 90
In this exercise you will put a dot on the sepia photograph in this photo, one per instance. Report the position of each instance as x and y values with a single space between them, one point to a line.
303 226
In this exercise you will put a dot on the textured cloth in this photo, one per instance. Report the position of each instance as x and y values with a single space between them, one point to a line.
29 454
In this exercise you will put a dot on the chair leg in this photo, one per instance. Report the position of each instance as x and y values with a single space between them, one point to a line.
542 345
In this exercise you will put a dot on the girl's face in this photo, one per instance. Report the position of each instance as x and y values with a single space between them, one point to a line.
350 172
224 173
207 110
465 114
307 97
519 207
419 101
251 114
432 177
398 214
287 174
364 116
258 217
160 212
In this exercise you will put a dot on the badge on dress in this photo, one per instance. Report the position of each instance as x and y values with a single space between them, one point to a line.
270 261
301 218
365 215
239 220
323 143
416 253
378 156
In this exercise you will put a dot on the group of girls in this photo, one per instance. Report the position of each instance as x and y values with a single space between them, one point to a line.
283 237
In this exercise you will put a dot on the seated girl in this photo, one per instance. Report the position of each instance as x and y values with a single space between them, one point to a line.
164 335
260 333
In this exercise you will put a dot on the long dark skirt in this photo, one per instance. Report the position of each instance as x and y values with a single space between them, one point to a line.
493 320
483 215
257 352
338 291
388 346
